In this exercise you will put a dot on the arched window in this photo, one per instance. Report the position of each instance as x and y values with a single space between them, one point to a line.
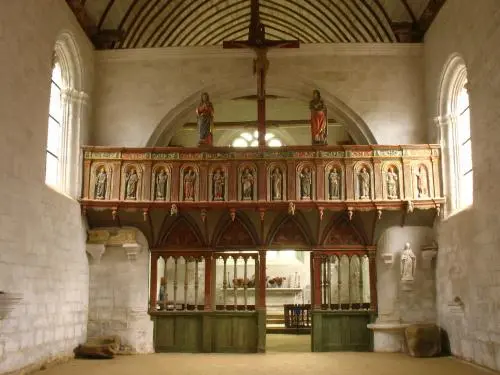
247 139
62 165
454 120
55 130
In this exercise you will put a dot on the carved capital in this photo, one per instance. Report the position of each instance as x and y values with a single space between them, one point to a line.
96 250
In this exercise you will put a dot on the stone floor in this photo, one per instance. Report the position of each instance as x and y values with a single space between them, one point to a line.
267 364
288 343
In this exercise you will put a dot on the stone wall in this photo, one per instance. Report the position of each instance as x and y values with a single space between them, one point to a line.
469 261
412 303
42 237
119 294
143 91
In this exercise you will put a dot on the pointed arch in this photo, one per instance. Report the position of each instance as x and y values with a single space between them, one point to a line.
290 231
237 233
182 233
343 232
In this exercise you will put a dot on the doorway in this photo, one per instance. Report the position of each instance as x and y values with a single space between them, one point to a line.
288 301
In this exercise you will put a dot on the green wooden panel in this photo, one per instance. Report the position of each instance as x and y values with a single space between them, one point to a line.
341 331
235 333
178 333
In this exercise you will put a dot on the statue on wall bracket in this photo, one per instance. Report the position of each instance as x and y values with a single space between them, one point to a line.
205 113
319 119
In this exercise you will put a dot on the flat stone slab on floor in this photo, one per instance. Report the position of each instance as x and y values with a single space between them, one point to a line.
270 363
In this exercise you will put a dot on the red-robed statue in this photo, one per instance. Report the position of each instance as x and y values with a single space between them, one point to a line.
205 112
319 119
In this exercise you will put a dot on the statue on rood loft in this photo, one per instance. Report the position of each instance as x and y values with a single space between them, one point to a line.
392 178
364 184
205 113
276 183
100 184
247 182
161 185
319 119
334 178
218 185
305 184
189 183
131 185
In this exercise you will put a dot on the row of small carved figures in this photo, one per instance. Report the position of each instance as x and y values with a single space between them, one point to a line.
248 181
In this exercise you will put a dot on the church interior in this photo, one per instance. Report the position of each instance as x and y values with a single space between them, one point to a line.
308 182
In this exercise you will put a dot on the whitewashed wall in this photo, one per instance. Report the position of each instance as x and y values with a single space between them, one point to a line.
380 86
42 236
469 260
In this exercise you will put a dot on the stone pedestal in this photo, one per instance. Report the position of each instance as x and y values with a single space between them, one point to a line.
388 336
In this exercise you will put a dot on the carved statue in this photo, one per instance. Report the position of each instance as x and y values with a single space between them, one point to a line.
305 184
131 185
100 184
319 119
364 184
276 184
408 263
189 182
334 178
247 182
174 210
205 113
161 184
218 187
422 184
392 178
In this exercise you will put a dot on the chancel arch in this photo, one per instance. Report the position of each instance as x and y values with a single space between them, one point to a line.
298 88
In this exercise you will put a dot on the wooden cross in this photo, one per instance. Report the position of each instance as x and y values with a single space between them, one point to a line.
257 41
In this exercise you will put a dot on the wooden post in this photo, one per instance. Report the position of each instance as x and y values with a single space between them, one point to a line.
350 186
86 179
373 278
176 179
209 285
317 280
262 181
154 280
261 304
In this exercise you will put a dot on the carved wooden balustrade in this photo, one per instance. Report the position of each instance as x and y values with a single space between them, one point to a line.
372 177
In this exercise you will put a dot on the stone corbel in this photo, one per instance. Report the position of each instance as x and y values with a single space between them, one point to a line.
428 254
132 249
388 259
96 250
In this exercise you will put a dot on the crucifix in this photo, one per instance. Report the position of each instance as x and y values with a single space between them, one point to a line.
260 45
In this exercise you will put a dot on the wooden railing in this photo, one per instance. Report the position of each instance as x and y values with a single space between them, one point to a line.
297 316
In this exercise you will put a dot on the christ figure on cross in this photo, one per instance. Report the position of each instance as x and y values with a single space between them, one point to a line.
257 41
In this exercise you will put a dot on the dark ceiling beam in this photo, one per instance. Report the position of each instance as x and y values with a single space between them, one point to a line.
409 32
409 10
429 14
101 39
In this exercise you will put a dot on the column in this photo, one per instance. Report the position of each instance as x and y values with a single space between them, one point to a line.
209 281
153 293
373 279
317 280
261 303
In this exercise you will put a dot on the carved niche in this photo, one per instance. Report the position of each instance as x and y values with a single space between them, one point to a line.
342 233
181 235
421 186
289 233
161 182
189 183
218 183
306 182
392 181
235 234
363 181
334 181
131 182
276 182
247 182
101 181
